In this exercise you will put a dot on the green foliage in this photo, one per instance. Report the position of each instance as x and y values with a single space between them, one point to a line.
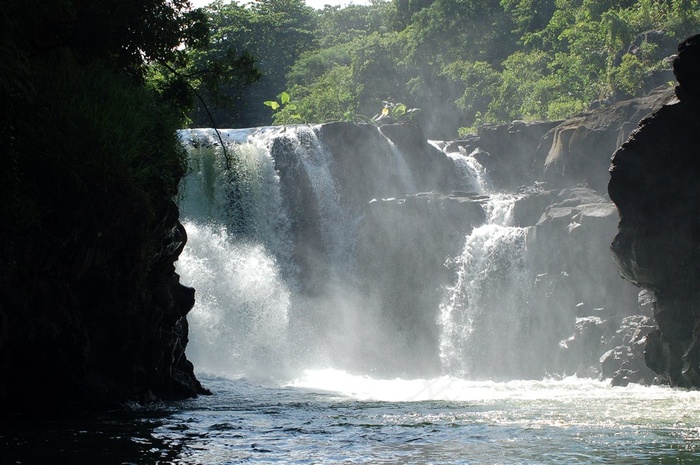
395 112
463 62
285 110
89 138
90 153
126 34
337 26
273 33
629 75
331 97
480 83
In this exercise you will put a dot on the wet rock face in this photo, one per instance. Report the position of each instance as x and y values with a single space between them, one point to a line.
402 248
579 149
655 183
560 153
577 289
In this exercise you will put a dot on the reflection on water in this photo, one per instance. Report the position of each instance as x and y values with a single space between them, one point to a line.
112 438
327 416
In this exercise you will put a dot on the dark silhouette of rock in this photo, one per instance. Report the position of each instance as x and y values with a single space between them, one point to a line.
101 326
655 183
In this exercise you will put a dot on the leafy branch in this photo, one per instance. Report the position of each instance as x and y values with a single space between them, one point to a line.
286 111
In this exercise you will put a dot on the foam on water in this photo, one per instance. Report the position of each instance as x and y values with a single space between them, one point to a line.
249 337
450 388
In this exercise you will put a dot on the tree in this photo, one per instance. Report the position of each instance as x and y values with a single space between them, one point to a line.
273 33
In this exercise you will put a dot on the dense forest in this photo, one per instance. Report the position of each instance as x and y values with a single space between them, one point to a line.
462 63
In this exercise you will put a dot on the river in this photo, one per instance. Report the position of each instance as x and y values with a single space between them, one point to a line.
329 417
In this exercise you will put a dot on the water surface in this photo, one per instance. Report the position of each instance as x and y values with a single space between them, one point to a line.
328 416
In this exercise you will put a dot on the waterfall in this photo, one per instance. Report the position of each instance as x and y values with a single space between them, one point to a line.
300 260
337 225
270 253
401 167
471 172
484 314
238 254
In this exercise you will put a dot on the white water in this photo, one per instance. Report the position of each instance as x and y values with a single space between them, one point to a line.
252 317
250 338
401 167
331 417
483 313
279 395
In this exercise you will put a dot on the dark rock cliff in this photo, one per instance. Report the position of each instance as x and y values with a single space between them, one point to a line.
655 183
98 321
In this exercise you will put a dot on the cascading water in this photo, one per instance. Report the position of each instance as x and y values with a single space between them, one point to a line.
291 274
483 313
271 259
319 285
237 255
482 316
401 167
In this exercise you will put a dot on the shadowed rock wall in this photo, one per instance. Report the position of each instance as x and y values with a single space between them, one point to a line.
96 323
655 183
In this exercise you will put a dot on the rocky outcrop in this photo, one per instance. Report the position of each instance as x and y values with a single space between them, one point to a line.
506 152
359 163
655 183
402 248
398 231
578 150
560 153
560 170
98 322
595 324
577 292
